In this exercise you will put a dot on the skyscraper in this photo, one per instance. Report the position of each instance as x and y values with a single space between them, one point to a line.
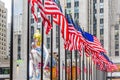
4 60
95 16
105 25
3 31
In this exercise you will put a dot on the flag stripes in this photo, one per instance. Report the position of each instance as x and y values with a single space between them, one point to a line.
74 37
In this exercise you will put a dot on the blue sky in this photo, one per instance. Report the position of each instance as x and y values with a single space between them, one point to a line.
17 9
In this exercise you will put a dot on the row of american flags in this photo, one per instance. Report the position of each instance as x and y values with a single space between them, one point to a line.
74 37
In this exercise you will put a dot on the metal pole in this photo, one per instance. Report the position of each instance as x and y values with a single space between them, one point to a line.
87 64
86 69
28 42
89 68
111 76
51 46
11 45
76 62
59 46
65 56
80 65
65 64
62 69
59 52
42 47
71 66
83 66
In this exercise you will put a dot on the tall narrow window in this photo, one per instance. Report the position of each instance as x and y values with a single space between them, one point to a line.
76 15
19 47
101 31
32 33
76 4
101 1
101 21
48 42
32 21
101 10
116 53
69 5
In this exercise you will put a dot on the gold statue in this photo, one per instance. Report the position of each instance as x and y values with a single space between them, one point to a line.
37 38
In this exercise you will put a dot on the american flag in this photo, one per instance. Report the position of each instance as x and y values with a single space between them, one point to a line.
91 43
58 17
74 42
103 63
72 34
44 16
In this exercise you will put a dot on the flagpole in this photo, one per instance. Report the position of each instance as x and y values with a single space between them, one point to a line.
83 66
42 47
65 54
11 45
59 52
83 63
59 48
89 67
28 42
76 55
96 71
65 64
80 66
76 63
51 47
71 65
86 68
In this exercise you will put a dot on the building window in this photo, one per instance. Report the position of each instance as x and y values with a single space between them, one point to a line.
117 27
32 21
117 36
38 10
39 19
19 52
116 46
101 21
56 42
32 33
94 1
101 10
19 48
101 31
76 15
95 11
116 53
102 42
69 5
101 1
57 30
48 42
19 39
76 4
4 70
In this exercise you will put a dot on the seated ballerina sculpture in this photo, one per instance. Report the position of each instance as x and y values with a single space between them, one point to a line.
35 57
